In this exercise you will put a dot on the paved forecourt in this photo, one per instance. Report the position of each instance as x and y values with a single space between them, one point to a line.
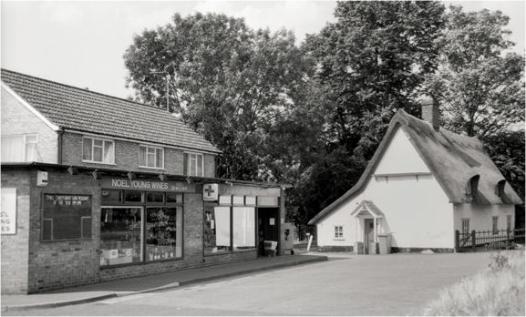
397 284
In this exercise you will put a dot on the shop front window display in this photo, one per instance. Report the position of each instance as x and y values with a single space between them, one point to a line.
163 233
121 236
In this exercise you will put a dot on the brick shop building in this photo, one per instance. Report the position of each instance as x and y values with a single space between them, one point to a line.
96 188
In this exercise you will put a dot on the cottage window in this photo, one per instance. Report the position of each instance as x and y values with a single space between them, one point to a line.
151 157
194 164
508 222
20 148
66 217
98 150
465 225
495 220
338 232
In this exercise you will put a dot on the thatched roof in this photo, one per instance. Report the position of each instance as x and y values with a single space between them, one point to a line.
453 159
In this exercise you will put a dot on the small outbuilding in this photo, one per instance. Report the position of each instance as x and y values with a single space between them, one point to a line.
422 184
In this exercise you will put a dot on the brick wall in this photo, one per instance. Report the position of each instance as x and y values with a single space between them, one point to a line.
17 119
127 157
37 265
54 264
15 248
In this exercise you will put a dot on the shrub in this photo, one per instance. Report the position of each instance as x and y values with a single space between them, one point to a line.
497 290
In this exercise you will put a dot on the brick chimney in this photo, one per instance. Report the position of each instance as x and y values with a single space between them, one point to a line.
430 112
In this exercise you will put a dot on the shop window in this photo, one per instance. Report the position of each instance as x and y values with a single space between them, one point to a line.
155 197
174 198
194 164
217 230
495 224
132 196
98 150
164 233
66 217
151 157
111 196
244 228
121 235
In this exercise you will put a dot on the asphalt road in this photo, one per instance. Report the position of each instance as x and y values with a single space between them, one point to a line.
397 284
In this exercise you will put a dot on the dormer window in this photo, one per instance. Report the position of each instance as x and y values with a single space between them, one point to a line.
95 150
472 187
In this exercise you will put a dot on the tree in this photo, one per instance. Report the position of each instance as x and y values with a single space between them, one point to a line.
230 83
479 87
370 62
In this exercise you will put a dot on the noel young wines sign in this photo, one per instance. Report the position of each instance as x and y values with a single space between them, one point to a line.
147 185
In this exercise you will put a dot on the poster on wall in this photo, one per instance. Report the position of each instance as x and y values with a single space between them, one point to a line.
8 211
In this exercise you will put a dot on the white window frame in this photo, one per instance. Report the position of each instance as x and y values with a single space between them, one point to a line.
202 164
24 139
338 232
155 148
93 139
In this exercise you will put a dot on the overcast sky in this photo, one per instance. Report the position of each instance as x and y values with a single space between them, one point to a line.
82 43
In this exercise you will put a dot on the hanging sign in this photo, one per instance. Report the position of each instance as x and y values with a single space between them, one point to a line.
147 185
210 192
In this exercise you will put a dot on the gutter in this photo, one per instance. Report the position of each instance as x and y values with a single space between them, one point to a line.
60 137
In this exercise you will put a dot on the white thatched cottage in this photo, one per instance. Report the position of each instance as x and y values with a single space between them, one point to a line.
421 185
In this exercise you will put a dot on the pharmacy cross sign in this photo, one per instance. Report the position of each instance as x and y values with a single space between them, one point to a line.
210 192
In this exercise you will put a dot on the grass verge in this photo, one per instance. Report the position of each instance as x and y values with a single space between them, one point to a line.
497 290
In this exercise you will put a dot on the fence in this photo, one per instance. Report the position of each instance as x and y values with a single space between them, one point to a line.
484 240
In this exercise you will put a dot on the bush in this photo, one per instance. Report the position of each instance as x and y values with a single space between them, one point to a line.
497 290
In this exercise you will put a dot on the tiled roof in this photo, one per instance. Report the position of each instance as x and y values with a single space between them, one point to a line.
452 158
80 109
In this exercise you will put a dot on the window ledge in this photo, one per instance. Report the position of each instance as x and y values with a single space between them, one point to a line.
100 163
152 168
339 239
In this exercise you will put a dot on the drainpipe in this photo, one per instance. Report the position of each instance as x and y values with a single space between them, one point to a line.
59 145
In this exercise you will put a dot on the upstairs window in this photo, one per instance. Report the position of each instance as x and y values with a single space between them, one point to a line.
98 150
194 164
151 157
20 148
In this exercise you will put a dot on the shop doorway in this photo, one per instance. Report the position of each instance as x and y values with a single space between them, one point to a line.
268 227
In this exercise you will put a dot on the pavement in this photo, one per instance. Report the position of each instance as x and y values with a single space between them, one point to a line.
150 283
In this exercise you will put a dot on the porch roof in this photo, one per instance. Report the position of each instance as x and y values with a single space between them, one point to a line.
367 206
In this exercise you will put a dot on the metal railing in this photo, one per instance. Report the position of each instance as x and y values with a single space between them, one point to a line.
488 240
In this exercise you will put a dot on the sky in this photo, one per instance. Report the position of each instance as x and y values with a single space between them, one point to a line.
82 43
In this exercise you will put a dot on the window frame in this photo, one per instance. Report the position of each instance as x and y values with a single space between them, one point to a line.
155 148
43 219
24 140
495 224
338 232
463 221
103 140
187 167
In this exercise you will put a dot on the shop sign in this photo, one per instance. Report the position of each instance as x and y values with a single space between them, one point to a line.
210 192
147 185
8 212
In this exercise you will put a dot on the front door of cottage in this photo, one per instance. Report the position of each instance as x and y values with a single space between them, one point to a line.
368 239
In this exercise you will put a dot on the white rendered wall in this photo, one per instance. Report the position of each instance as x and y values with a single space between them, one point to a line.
18 120
401 157
417 212
480 217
